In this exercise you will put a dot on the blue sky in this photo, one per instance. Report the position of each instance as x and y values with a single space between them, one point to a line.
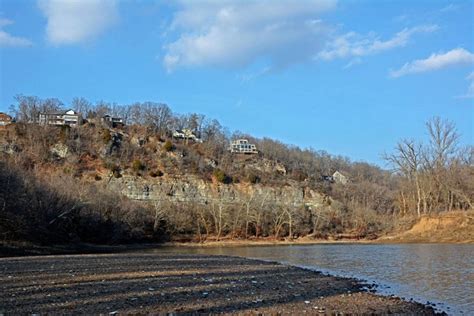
348 77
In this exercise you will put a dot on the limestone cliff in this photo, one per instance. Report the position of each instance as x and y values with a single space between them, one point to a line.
192 189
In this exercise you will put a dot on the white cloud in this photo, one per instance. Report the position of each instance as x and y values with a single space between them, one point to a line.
457 56
8 40
5 22
470 89
75 21
355 45
234 33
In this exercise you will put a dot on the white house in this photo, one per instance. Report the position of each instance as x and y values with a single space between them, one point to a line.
68 118
338 177
186 134
243 146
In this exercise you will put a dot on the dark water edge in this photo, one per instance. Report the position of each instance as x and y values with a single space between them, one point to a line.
22 249
439 274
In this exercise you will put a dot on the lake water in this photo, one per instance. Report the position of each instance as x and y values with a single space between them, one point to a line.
439 273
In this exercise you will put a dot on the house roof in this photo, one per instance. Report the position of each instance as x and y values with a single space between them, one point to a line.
341 173
61 113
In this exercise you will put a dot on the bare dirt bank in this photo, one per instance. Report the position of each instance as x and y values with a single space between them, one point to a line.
449 227
166 282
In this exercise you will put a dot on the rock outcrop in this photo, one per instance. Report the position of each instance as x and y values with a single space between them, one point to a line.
191 189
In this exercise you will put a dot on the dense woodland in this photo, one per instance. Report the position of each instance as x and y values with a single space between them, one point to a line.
48 197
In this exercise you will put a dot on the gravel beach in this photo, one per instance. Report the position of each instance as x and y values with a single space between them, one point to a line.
150 283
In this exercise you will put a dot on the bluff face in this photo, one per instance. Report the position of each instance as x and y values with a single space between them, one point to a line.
191 189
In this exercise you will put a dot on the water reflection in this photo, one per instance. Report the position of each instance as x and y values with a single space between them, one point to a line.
425 272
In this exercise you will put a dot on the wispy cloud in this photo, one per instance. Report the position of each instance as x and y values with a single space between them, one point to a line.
9 40
237 33
355 45
76 21
450 7
470 89
353 62
457 56
254 75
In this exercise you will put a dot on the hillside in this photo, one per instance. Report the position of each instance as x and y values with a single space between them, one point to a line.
100 183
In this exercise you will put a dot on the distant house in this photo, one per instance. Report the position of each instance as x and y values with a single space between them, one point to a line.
186 134
327 178
5 119
243 146
112 121
338 177
67 118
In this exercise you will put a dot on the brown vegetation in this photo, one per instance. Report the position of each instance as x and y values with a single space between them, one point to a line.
54 181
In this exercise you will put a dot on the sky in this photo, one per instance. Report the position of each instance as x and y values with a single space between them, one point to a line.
348 77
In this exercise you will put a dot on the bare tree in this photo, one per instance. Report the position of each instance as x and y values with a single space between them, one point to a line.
81 105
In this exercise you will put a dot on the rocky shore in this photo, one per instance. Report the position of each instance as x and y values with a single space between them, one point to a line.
150 283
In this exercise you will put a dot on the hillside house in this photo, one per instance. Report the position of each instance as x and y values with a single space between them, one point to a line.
112 121
338 177
243 146
5 119
327 178
186 134
67 118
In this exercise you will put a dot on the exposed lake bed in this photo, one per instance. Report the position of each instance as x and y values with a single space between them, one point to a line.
166 281
428 273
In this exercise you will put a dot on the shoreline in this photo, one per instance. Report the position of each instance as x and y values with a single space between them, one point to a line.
21 249
167 282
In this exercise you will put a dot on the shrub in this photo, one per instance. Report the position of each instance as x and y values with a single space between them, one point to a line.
253 178
64 133
117 174
137 165
97 177
299 175
106 136
168 146
157 173
115 169
220 176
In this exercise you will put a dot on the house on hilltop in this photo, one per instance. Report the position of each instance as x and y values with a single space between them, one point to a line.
67 118
339 177
5 119
186 134
112 121
243 146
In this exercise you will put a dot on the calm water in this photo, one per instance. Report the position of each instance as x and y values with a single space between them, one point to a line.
442 273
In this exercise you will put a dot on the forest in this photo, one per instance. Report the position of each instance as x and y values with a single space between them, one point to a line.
54 180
